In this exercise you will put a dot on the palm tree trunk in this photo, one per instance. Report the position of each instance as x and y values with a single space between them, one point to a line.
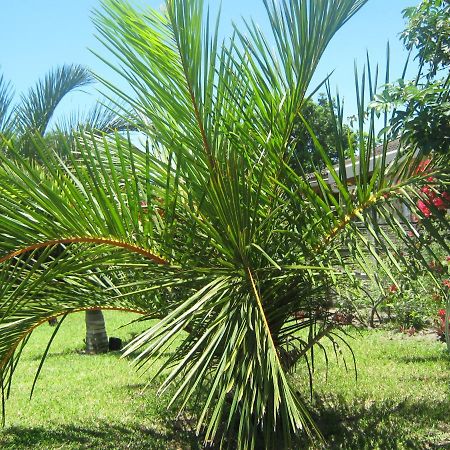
96 336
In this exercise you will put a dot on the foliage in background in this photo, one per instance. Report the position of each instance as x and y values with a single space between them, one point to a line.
32 115
210 231
421 113
414 303
428 33
421 121
421 108
321 118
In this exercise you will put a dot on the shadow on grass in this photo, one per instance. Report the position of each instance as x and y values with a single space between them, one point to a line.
357 425
363 425
101 436
79 351
443 357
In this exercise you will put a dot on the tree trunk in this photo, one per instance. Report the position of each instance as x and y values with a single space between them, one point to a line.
96 337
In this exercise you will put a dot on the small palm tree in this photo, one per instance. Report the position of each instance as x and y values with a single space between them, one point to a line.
36 108
21 122
209 231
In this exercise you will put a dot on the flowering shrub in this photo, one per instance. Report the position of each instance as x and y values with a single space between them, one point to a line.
442 311
411 302
411 305
405 308
440 199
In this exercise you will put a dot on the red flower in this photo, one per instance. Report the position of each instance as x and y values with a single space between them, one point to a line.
447 258
446 283
439 203
441 313
436 297
446 199
423 208
431 194
435 265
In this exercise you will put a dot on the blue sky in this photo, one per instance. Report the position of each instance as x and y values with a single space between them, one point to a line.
38 35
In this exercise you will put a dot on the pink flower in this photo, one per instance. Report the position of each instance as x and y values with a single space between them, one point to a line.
428 192
423 208
410 233
432 194
438 202
446 283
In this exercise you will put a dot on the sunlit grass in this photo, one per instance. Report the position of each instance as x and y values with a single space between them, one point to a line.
87 402
400 400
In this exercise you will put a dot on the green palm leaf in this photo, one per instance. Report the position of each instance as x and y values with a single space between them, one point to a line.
6 97
38 105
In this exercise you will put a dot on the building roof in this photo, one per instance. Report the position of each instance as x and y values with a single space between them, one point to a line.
352 169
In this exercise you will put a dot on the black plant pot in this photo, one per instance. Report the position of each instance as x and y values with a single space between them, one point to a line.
115 344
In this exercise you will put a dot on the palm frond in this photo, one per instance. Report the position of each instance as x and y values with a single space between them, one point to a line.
6 97
38 105
102 118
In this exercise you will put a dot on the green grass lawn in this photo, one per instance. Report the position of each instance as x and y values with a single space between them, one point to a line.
401 398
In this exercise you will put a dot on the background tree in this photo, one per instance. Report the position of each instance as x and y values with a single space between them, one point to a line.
30 118
35 109
421 107
321 118
428 33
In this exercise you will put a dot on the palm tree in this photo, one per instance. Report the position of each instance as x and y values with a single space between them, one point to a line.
209 231
36 108
31 116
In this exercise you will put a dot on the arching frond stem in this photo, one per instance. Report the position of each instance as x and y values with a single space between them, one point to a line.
92 240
